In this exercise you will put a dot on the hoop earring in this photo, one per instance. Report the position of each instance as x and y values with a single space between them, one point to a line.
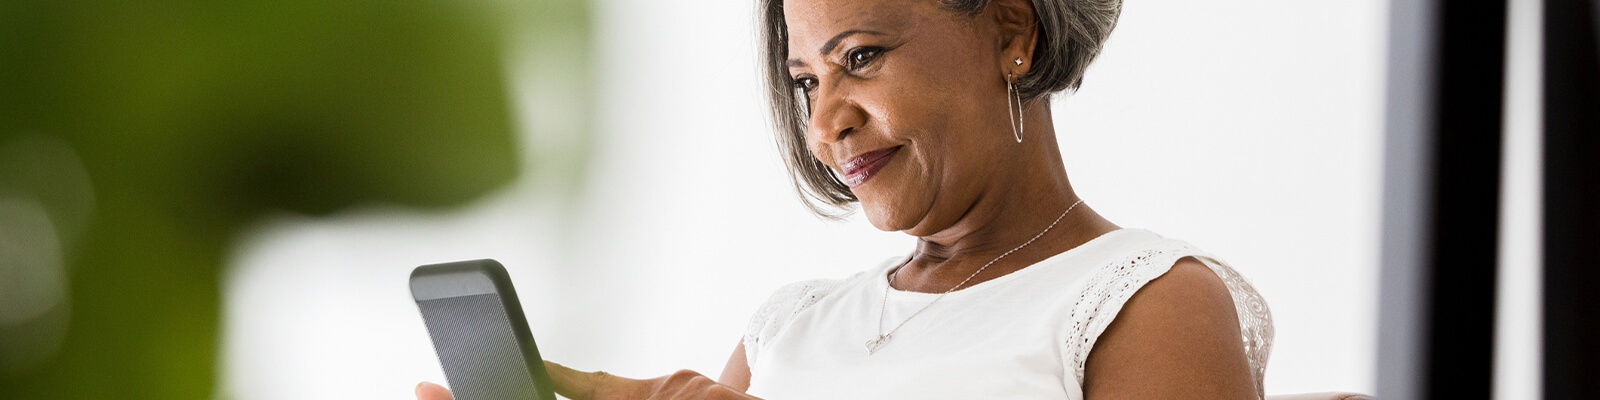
1014 113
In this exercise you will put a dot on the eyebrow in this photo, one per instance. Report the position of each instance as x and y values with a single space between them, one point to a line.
828 46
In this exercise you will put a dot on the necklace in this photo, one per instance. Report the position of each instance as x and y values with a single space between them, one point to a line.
883 337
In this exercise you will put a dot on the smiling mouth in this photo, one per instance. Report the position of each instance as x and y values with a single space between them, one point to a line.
864 166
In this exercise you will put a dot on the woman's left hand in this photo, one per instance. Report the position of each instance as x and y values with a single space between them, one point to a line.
578 385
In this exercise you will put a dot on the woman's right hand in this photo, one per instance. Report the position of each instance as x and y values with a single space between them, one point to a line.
578 385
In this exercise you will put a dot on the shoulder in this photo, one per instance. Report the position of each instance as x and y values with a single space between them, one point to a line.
795 297
1187 281
1188 295
790 300
775 313
1177 335
1165 311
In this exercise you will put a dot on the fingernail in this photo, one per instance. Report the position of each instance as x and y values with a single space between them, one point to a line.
418 390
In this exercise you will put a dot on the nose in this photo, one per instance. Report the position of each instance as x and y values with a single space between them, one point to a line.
834 115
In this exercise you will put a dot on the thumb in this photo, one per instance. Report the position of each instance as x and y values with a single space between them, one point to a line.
429 391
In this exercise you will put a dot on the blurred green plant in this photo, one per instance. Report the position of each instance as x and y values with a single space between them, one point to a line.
138 137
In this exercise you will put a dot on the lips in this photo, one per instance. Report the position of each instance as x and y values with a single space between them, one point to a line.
862 167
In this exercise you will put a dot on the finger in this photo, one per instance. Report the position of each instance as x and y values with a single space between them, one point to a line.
570 382
722 392
579 385
429 391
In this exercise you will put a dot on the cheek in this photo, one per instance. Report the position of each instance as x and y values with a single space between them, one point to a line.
938 110
936 105
945 102
945 128
953 146
818 150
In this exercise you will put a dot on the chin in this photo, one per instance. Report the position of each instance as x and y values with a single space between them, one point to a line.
895 203
890 218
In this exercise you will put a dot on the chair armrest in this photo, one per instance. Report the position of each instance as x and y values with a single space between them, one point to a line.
1321 396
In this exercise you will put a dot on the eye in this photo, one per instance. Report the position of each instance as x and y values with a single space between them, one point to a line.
860 56
805 84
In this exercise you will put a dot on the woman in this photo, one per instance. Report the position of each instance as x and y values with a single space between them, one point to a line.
934 115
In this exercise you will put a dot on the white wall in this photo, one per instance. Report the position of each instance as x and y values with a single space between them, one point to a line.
1250 128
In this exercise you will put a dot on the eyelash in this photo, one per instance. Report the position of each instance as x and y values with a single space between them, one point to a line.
805 84
866 54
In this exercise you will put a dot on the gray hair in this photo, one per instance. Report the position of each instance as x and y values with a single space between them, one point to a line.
1071 33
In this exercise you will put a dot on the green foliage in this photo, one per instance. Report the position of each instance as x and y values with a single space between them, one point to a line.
184 120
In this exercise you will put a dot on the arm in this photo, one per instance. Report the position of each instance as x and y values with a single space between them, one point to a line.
685 384
737 373
1177 337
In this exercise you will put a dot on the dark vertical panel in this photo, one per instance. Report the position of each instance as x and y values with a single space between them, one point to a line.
1571 201
1441 211
1471 94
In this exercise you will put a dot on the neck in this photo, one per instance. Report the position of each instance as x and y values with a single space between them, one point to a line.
1014 209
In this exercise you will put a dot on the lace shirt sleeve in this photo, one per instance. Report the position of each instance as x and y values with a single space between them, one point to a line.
1108 289
777 311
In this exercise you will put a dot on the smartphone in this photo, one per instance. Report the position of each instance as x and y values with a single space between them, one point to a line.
479 332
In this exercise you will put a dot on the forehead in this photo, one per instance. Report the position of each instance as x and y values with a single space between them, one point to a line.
813 22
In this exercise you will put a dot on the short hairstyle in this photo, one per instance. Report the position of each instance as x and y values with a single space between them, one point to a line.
1071 33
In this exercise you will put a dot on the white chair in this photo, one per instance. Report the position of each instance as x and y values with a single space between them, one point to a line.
1321 396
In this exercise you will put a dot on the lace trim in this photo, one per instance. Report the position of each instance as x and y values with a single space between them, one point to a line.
775 314
1104 294
1111 287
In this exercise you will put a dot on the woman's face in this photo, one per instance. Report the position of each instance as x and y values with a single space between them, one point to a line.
908 104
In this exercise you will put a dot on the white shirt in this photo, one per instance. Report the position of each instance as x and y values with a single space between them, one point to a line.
1024 335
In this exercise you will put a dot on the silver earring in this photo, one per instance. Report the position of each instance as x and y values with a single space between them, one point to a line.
1014 113
1019 61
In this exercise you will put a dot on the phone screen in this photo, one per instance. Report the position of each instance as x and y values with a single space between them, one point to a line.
479 332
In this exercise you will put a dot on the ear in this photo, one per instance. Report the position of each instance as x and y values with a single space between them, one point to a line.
1019 33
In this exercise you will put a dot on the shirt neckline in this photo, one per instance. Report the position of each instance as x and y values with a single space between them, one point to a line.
882 280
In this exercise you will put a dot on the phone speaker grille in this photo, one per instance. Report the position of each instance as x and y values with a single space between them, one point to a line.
477 348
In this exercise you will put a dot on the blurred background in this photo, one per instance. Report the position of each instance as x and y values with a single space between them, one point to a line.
224 199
